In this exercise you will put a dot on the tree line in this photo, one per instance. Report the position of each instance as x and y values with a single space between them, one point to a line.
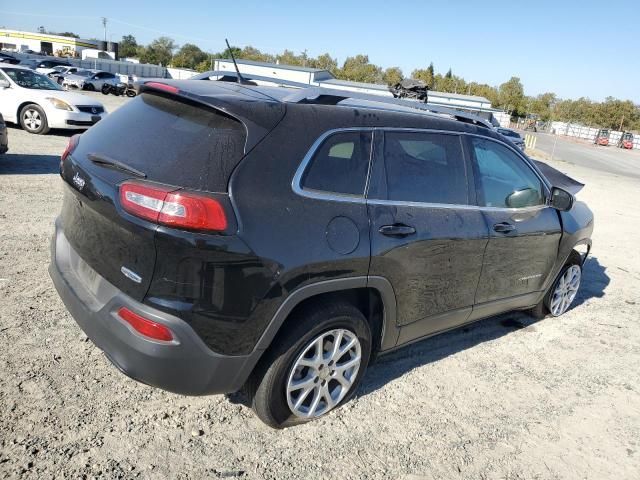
509 96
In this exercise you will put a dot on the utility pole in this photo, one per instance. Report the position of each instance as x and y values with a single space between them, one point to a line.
104 25
621 122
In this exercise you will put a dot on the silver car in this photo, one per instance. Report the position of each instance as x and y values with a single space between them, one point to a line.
92 81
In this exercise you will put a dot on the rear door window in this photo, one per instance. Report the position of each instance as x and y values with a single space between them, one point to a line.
340 165
422 167
171 141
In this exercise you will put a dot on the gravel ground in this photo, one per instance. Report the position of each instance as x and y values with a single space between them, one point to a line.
506 398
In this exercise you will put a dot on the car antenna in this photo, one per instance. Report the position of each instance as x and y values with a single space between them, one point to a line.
240 77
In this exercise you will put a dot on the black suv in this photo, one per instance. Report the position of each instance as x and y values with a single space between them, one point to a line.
217 237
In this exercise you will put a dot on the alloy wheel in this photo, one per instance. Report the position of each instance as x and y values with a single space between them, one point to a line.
323 373
565 291
32 119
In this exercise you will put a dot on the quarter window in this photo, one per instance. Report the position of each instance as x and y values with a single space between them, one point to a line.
340 165
503 179
424 167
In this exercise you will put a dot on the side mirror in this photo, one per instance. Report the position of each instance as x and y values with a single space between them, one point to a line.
4 83
561 199
523 198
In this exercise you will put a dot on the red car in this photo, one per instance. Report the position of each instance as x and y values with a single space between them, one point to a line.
602 137
626 141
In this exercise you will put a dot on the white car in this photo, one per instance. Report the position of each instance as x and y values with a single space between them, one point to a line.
93 81
38 104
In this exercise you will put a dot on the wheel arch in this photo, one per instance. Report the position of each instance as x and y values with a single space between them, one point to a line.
360 291
24 104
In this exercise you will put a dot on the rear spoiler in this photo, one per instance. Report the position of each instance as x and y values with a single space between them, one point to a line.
231 99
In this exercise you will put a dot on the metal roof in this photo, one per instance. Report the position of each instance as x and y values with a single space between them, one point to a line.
459 96
240 61
348 83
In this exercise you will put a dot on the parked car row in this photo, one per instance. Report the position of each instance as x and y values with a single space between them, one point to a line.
72 77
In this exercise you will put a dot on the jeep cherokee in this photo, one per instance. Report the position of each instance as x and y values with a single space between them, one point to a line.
217 237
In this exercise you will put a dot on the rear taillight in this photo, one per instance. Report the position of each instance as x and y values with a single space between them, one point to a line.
71 146
167 206
144 326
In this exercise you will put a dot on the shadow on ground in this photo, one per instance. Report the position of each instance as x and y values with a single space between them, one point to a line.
394 365
23 164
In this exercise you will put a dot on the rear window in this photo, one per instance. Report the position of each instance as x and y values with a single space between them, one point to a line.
340 165
171 141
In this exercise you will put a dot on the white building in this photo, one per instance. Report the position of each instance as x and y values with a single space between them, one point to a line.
323 78
17 41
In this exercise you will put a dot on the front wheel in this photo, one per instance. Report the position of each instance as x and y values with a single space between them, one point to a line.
563 291
89 87
33 119
314 367
131 93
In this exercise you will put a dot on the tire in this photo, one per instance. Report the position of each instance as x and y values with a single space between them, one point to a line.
317 325
105 89
89 87
548 304
131 93
33 119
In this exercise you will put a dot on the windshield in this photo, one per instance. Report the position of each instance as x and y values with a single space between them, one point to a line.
82 73
30 79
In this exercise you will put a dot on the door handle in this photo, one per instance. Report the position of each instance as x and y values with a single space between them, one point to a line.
504 227
397 230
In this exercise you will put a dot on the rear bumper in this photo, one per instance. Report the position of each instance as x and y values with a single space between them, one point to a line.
185 366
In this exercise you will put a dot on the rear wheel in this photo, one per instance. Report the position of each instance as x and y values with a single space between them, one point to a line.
314 367
105 89
89 87
33 119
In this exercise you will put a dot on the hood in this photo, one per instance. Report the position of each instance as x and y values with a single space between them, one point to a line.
71 98
558 179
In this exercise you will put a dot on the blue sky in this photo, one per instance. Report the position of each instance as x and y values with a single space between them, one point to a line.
573 48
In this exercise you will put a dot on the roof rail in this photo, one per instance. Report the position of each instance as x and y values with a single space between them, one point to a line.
333 96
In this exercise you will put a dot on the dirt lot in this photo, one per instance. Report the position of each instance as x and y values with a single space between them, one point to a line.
507 398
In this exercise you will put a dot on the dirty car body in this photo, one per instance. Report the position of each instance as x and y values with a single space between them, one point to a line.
317 200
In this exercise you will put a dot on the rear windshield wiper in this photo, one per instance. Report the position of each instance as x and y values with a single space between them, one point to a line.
111 163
